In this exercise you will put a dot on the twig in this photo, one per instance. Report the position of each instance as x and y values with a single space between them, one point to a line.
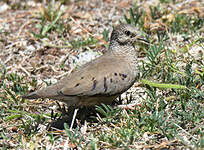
23 69
185 131
73 119
87 30
21 28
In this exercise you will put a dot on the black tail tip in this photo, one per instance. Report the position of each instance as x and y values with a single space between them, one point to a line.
31 96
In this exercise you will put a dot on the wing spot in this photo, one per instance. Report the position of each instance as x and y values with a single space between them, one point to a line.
82 78
123 76
115 74
77 84
94 85
105 84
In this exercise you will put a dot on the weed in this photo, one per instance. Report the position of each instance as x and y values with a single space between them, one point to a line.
82 42
51 20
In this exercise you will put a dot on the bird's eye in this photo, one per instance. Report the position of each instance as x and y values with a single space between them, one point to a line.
127 33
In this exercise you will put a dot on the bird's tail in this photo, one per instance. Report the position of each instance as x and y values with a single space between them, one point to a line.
32 95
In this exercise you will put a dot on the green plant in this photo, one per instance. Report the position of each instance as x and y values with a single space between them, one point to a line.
51 20
83 42
183 23
106 35
135 16
75 136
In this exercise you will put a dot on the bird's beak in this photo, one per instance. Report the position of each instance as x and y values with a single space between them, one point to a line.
142 38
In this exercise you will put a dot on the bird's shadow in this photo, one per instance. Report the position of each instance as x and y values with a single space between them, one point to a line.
83 114
88 114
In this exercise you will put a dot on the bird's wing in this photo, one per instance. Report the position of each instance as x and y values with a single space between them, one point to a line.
103 76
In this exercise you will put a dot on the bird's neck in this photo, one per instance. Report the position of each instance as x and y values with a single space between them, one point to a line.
126 52
123 49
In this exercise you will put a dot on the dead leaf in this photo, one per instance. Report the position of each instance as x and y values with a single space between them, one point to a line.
123 4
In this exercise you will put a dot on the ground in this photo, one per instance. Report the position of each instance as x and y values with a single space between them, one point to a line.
41 41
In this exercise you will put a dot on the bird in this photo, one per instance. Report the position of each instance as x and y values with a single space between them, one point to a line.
103 79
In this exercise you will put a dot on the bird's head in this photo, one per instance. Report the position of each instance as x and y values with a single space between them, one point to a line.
126 34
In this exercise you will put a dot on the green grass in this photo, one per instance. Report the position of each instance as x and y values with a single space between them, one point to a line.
83 42
51 20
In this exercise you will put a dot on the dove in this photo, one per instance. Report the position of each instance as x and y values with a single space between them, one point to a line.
103 79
